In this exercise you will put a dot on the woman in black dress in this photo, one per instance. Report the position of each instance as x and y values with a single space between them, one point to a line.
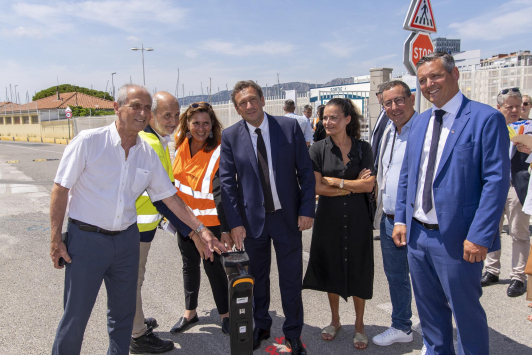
341 252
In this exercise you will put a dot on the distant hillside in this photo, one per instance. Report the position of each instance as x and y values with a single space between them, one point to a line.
71 88
270 90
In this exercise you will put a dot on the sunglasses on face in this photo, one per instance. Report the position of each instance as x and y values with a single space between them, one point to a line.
198 104
505 91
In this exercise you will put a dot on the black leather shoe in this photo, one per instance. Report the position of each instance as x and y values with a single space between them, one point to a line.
150 343
226 326
296 346
151 322
183 324
516 288
258 336
488 279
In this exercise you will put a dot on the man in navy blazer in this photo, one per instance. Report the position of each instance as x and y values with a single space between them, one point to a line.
452 190
268 193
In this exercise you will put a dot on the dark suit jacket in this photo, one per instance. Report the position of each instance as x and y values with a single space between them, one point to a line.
520 175
472 180
242 195
378 130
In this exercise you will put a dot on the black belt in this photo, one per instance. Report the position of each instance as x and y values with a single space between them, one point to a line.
391 216
431 227
90 228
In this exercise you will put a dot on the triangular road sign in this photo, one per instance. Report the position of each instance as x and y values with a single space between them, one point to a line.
420 17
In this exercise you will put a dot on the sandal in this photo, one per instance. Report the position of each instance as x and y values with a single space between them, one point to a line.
360 338
330 330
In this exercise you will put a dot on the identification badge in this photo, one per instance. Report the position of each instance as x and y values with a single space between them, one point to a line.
241 300
242 329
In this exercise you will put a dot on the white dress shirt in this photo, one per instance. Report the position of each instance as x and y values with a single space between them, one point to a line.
451 108
305 126
103 184
265 131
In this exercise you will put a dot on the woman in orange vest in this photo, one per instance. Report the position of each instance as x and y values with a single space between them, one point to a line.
195 169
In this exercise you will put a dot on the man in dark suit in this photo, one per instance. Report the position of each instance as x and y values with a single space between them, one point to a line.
378 129
268 193
509 102
451 194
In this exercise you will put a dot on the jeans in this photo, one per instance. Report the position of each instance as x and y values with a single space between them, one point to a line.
395 263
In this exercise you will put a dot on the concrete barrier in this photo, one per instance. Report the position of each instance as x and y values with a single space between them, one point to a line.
34 139
48 140
21 139
61 141
6 138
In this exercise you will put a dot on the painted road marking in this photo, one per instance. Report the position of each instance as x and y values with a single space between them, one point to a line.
12 161
20 146
44 159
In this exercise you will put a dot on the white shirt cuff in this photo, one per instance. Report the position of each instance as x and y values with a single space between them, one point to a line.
399 224
163 195
529 159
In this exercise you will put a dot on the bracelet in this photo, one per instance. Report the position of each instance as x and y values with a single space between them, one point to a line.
199 229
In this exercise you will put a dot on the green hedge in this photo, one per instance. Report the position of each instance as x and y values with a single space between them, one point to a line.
71 88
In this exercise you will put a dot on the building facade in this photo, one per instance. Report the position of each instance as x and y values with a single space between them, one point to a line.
443 44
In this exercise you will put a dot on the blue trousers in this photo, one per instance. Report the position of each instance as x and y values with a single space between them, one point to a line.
96 258
445 285
289 253
395 261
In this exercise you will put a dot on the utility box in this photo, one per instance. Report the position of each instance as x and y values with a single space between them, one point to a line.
236 266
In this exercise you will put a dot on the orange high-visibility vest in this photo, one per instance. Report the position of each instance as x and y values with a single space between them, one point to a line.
193 181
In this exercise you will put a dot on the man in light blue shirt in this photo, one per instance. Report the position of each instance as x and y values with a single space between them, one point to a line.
289 109
398 102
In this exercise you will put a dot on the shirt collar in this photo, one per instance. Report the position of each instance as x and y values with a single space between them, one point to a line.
263 126
407 125
115 137
453 105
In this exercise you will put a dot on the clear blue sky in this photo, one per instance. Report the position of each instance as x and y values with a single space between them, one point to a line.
83 42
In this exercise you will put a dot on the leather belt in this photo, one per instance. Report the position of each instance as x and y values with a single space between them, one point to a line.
90 228
391 216
431 227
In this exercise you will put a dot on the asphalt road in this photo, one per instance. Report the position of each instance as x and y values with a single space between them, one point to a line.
32 290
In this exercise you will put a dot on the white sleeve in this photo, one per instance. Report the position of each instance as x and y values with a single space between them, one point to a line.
159 186
72 163
308 132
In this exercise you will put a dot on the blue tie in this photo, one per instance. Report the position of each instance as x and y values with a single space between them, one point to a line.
427 189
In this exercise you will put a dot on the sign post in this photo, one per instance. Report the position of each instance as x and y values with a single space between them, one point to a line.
420 20
68 114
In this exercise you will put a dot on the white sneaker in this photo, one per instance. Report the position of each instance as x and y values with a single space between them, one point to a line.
392 335
424 350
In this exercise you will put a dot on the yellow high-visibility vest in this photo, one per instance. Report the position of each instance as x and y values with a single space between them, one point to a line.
147 215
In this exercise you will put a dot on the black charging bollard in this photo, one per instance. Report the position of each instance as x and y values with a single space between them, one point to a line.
240 301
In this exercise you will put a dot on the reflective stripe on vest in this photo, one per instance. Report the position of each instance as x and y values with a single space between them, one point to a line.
148 218
193 180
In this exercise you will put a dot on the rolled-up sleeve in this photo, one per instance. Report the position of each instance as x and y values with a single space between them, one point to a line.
72 163
160 186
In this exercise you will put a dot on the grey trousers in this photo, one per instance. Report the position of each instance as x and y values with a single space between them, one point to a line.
96 258
518 223
139 328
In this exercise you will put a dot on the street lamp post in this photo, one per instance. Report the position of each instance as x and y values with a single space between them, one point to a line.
113 82
142 49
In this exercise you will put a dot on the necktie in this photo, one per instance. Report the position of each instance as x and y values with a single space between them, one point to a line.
264 172
427 188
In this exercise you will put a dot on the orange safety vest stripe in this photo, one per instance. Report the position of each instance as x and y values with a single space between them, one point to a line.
193 179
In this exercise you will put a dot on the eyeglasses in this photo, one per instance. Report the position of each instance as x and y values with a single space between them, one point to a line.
399 101
505 91
198 104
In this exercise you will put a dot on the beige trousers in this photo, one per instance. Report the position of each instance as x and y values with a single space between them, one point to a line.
139 328
518 223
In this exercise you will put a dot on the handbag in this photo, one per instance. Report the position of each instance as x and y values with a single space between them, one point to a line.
370 197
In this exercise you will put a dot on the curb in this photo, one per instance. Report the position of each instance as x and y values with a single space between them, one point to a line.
63 141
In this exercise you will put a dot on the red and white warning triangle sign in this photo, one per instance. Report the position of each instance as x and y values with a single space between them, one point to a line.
420 17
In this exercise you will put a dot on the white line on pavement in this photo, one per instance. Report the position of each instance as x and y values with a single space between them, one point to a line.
40 150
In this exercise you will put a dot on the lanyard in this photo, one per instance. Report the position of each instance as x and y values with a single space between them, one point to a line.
391 153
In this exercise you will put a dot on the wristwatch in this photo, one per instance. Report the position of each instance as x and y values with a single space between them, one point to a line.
198 230
342 184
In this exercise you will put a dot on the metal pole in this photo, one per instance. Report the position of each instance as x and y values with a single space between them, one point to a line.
418 96
210 89
112 80
278 87
177 85
143 75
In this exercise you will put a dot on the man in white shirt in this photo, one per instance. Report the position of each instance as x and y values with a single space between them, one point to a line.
101 174
451 194
307 112
289 109
398 102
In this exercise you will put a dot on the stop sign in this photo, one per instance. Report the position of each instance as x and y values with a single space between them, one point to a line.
416 47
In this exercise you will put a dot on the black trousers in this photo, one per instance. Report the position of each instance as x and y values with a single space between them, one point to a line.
192 274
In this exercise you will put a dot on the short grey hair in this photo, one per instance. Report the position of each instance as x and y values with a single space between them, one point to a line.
393 83
154 104
243 84
501 99
379 88
122 98
289 105
307 106
446 59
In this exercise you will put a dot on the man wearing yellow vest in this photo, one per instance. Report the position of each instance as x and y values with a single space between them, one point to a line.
164 120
